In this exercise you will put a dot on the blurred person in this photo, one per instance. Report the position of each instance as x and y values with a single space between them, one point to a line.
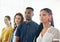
18 19
6 31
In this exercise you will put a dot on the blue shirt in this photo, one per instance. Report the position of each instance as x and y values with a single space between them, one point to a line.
27 31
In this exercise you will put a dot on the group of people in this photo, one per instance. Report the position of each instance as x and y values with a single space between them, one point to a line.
28 30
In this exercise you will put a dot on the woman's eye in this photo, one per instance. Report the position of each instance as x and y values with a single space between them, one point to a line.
44 14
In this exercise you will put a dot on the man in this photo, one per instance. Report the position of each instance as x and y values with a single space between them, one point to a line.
26 31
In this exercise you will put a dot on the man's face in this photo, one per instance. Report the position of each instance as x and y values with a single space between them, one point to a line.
28 14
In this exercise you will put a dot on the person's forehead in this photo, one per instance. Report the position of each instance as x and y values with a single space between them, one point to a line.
5 18
44 12
28 10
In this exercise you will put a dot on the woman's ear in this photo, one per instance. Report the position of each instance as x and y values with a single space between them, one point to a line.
50 17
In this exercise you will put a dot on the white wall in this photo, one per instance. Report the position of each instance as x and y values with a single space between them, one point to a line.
11 7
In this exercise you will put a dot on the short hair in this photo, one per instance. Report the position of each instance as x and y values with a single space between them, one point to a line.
30 8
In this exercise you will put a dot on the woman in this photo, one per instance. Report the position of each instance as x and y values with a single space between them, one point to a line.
6 31
48 33
18 19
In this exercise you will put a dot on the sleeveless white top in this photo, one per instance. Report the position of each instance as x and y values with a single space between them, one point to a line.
51 34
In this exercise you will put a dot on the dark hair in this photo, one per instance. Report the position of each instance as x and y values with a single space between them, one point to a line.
8 18
50 13
30 8
41 24
22 19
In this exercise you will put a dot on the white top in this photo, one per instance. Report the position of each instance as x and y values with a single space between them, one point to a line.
14 37
51 34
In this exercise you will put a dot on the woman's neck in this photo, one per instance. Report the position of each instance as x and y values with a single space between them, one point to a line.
46 25
18 24
8 25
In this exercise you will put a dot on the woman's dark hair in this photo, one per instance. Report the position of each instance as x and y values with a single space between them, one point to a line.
39 29
41 24
8 18
22 19
50 13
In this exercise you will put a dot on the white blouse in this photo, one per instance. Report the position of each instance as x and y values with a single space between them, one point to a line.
51 34
14 37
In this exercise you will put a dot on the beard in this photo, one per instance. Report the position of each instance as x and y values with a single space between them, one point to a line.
28 18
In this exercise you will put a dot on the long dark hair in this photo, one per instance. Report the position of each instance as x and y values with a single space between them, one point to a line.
41 24
50 13
22 19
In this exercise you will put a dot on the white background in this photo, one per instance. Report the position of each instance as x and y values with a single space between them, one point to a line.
11 7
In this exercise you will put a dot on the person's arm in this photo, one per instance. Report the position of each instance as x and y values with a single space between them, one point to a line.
56 36
17 39
55 40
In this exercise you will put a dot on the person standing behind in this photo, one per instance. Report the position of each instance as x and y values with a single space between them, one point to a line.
28 28
6 31
18 19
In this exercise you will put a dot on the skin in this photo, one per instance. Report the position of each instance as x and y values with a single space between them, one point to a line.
28 16
7 22
17 19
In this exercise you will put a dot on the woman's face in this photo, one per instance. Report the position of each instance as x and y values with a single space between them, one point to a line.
17 19
6 20
44 16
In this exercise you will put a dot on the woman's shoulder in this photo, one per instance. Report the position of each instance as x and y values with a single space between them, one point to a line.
10 28
3 29
54 31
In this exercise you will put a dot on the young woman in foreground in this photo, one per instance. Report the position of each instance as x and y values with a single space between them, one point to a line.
48 32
